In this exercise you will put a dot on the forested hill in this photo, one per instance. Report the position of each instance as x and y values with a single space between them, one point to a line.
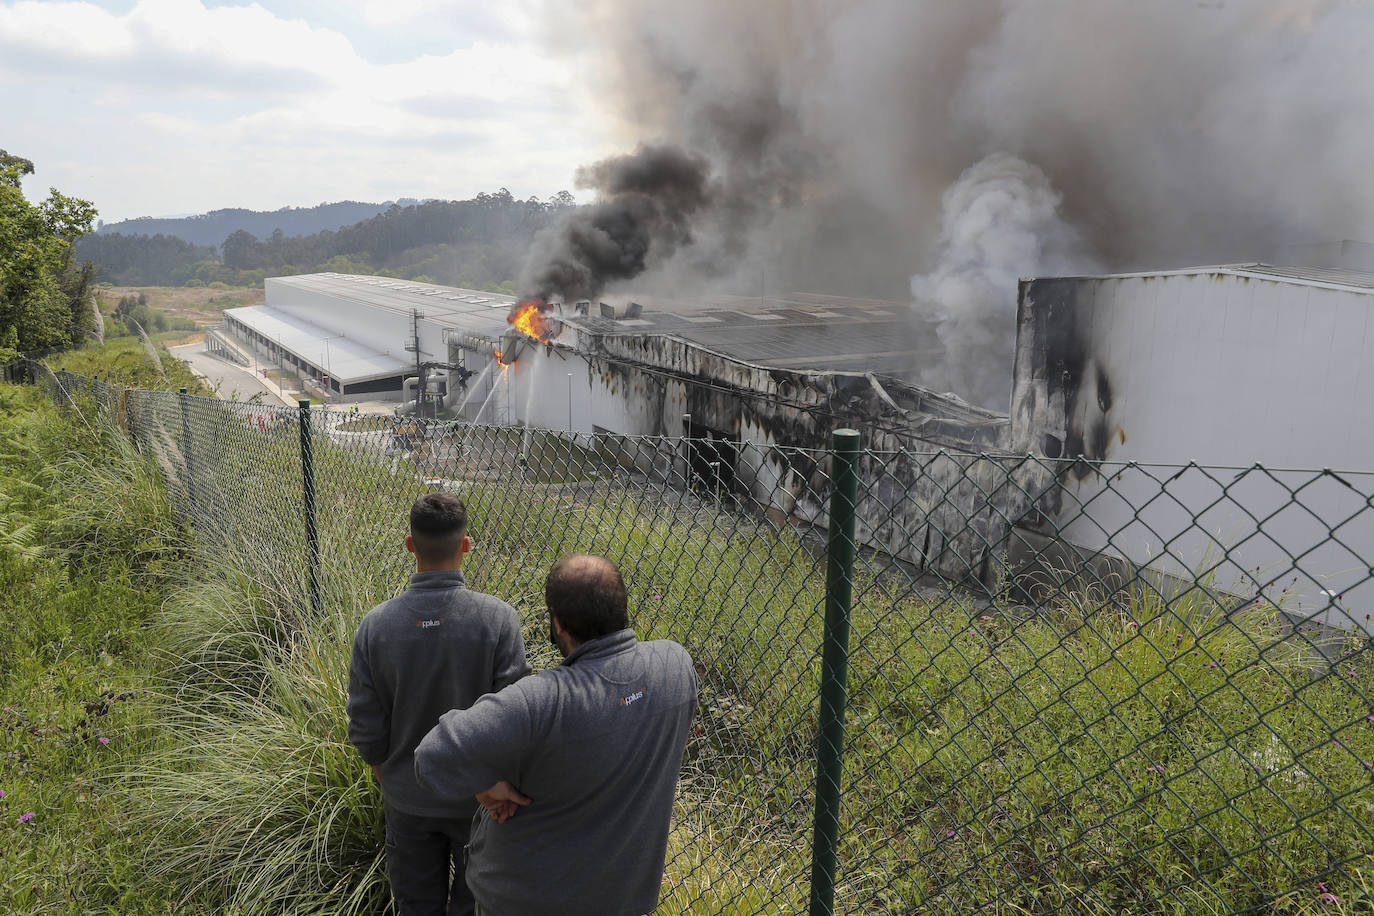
214 227
478 243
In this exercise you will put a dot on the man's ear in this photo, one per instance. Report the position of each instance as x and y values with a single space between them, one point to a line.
410 543
557 625
464 545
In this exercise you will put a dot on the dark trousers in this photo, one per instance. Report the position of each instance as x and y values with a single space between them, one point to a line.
425 862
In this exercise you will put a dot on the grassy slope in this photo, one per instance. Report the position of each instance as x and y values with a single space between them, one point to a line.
1095 758
202 304
86 548
125 361
1092 758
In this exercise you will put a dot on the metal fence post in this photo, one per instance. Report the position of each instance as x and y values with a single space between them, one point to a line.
839 587
186 453
312 536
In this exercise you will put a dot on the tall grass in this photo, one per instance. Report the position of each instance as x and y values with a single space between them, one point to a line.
1102 754
88 549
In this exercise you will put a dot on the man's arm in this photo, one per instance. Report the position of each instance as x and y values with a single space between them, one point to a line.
510 655
369 722
472 749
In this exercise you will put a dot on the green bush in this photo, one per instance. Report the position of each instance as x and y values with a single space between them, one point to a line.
88 550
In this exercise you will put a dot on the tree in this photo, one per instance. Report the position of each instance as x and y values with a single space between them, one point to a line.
44 294
241 250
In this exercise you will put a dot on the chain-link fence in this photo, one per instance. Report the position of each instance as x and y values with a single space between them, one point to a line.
1071 686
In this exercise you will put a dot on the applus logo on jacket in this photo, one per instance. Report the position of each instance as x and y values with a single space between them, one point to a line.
426 624
637 695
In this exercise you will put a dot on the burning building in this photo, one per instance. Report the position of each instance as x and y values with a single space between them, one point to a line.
732 373
1220 366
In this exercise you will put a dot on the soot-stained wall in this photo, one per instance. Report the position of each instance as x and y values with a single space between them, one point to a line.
930 501
1220 368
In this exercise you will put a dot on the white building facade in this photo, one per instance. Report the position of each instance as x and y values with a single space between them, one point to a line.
1217 369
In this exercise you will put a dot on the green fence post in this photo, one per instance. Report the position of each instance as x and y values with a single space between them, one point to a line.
839 588
312 536
186 453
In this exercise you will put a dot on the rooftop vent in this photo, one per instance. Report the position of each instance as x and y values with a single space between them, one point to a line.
628 311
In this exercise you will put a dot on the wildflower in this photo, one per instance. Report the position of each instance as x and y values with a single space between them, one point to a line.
950 833
2 793
1329 898
658 597
26 817
103 740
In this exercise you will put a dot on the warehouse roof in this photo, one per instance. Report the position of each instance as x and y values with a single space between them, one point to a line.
798 331
342 358
1329 277
786 330
450 306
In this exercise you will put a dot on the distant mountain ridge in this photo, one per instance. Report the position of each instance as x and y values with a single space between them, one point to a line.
476 244
214 227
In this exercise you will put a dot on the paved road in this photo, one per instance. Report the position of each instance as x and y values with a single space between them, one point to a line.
229 379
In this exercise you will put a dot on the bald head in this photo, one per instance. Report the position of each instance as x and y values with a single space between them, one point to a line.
587 595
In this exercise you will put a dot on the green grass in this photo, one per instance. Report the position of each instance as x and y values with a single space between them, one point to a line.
124 361
366 424
1122 755
87 551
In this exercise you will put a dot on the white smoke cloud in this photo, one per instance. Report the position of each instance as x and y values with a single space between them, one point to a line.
998 219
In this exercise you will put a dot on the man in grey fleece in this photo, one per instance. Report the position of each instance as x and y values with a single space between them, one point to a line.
435 647
576 767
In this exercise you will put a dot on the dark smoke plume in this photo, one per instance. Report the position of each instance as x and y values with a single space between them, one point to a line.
646 203
937 150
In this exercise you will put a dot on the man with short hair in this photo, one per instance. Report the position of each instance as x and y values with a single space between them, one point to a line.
575 767
435 647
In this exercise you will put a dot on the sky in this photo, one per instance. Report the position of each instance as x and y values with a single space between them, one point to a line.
168 107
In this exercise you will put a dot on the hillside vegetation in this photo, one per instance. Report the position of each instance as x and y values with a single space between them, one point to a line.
45 299
478 243
210 229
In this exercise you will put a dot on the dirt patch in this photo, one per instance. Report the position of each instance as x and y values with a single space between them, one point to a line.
202 305
178 338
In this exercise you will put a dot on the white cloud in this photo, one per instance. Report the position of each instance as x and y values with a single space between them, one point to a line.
482 16
195 108
225 48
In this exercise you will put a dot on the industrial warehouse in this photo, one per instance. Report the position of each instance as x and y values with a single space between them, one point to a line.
1215 365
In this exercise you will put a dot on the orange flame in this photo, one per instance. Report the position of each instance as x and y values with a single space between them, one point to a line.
529 320
497 354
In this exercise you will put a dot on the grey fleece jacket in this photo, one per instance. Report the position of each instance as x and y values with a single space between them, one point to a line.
597 744
435 647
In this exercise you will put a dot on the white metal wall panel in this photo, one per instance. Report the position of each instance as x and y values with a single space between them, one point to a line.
1225 371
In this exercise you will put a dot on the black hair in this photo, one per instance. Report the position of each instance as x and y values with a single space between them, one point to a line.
587 595
438 522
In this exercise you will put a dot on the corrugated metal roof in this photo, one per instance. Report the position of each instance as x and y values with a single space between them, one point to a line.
866 335
1329 277
784 330
344 358
1326 276
469 310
